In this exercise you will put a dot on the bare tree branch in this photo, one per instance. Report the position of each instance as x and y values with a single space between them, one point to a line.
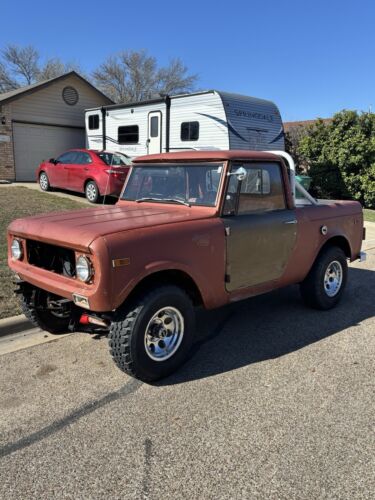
134 76
7 83
22 61
55 67
174 78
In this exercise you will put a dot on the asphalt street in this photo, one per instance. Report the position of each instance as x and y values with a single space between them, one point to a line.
277 401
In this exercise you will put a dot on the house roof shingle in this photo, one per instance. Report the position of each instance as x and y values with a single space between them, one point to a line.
28 89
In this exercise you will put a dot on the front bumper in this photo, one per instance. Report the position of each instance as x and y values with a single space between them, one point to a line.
62 286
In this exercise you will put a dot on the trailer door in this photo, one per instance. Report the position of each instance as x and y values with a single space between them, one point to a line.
154 132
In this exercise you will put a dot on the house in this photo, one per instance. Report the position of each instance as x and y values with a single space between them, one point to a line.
42 120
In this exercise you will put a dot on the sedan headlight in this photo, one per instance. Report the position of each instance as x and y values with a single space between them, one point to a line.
84 268
16 249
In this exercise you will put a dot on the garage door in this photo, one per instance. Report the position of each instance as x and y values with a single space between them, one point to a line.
35 143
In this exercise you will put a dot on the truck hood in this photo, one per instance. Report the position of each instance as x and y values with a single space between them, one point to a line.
79 228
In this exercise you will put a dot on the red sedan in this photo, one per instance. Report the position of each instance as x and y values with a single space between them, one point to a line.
95 173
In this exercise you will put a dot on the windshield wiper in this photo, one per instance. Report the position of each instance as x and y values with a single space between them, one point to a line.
167 200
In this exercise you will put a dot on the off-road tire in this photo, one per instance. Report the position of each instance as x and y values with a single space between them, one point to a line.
312 288
128 328
32 302
90 188
44 182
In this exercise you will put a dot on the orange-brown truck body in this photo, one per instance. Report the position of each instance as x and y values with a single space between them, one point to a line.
130 242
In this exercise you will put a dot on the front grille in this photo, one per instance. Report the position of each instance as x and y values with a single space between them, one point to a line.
51 257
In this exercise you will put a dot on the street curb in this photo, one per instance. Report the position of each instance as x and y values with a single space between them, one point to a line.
14 324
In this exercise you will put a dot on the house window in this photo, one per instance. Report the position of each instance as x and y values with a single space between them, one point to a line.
93 122
128 135
189 131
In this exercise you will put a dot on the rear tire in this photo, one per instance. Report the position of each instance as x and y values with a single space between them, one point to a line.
324 285
35 303
44 182
92 192
150 338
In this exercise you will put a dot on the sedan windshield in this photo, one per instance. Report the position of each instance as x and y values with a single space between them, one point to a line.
196 184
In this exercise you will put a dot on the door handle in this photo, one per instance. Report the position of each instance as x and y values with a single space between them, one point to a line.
85 169
294 221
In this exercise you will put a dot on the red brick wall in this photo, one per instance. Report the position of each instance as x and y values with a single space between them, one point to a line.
7 171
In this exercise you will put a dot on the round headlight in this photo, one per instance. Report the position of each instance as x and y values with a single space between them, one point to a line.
16 249
83 268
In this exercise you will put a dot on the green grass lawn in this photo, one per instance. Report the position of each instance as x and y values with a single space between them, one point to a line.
16 202
369 214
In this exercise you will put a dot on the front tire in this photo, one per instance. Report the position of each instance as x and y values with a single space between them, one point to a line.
324 285
39 308
152 337
92 192
44 182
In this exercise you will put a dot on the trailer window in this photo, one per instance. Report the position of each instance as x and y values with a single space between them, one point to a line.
93 122
154 126
189 131
128 134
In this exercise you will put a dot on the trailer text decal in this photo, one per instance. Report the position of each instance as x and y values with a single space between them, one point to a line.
257 116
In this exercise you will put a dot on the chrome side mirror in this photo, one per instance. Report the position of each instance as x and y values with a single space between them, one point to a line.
240 173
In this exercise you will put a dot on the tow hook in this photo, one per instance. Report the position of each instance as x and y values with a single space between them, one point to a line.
87 319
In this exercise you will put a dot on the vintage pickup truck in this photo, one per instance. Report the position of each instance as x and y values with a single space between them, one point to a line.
200 228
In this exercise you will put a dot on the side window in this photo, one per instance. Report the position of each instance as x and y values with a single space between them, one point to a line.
84 158
128 134
67 158
79 158
262 190
189 131
93 122
154 126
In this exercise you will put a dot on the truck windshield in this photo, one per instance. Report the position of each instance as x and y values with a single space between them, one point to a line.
195 184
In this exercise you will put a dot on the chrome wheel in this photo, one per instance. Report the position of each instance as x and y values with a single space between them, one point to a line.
91 192
333 278
43 181
164 333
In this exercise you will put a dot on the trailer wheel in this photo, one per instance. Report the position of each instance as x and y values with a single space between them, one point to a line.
41 309
92 192
152 337
44 182
324 285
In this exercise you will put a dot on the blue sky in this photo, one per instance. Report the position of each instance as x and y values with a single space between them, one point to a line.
311 58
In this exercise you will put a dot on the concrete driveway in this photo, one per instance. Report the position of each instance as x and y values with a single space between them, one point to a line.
277 401
57 192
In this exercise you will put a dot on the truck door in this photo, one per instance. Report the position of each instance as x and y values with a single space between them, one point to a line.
261 230
154 133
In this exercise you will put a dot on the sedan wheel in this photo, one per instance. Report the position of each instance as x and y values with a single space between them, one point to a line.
44 182
92 192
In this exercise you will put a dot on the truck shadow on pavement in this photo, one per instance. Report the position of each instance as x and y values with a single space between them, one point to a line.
269 326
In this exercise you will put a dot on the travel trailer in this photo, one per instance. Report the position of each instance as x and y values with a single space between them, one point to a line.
202 120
